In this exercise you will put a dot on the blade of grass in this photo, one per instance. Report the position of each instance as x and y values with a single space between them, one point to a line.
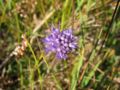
66 12
90 3
42 10
40 23
21 76
79 4
47 16
36 63
75 71
90 75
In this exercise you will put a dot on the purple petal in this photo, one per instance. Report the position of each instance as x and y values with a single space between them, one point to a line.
60 55
67 32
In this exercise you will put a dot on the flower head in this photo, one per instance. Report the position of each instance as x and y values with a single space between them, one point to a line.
61 43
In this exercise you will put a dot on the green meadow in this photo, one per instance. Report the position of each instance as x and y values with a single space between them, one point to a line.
94 64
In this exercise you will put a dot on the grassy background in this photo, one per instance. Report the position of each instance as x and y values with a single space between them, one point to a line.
94 66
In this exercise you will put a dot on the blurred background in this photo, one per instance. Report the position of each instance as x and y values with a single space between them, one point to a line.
24 65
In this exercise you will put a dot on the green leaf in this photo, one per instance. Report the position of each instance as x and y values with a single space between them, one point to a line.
75 72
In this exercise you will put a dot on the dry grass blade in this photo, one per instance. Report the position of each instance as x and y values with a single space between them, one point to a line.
40 23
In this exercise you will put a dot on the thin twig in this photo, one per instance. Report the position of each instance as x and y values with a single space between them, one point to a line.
110 26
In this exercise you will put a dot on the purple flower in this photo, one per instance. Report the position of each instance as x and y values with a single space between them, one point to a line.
61 43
